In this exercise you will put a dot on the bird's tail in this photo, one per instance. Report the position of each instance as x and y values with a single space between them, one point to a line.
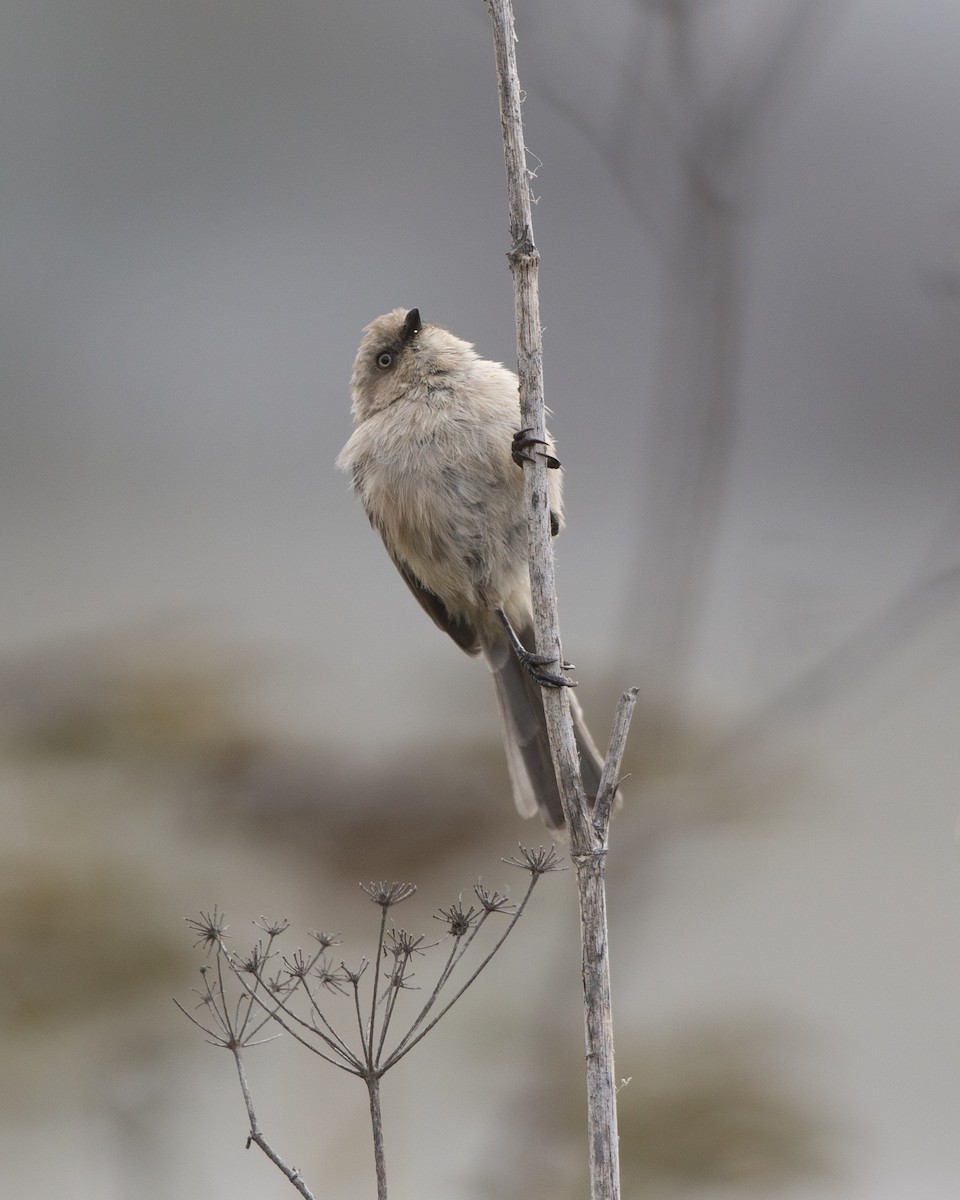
520 700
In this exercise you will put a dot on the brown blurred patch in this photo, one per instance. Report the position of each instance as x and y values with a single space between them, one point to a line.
80 941
364 819
166 689
708 1106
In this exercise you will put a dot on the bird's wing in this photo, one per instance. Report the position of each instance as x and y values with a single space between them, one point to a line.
462 632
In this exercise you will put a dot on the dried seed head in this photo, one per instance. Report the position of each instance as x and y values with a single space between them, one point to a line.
273 928
401 944
458 919
210 927
323 939
493 901
387 894
537 862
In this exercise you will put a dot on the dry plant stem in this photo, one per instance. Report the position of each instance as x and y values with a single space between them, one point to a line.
257 1136
524 264
413 1037
597 1008
598 1027
376 1120
288 1021
377 958
588 837
610 776
372 1074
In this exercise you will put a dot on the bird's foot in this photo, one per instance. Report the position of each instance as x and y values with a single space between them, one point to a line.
533 663
523 443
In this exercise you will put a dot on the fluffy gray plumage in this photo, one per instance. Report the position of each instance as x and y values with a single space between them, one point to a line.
431 462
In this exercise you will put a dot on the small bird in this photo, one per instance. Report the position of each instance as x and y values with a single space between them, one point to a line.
434 460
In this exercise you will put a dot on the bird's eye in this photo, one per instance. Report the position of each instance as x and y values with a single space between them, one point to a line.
384 360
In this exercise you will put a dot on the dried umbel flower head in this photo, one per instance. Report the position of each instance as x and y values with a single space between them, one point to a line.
458 919
210 929
239 1001
388 894
537 862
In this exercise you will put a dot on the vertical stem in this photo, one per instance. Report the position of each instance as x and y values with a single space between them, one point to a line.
376 1121
256 1134
598 1028
371 1028
588 841
524 264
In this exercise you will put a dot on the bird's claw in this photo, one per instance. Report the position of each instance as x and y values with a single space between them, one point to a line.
533 664
522 442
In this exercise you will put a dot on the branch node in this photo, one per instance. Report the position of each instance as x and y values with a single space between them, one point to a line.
523 252
593 858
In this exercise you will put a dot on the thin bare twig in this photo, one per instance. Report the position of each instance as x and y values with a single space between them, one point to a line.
256 1134
368 1041
524 261
610 776
287 1019
408 1043
588 837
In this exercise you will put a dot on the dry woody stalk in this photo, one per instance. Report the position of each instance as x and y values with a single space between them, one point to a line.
588 832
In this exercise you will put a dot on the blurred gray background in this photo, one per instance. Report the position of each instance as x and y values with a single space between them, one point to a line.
216 689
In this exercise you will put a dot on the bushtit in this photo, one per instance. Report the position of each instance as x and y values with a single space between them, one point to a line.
434 460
